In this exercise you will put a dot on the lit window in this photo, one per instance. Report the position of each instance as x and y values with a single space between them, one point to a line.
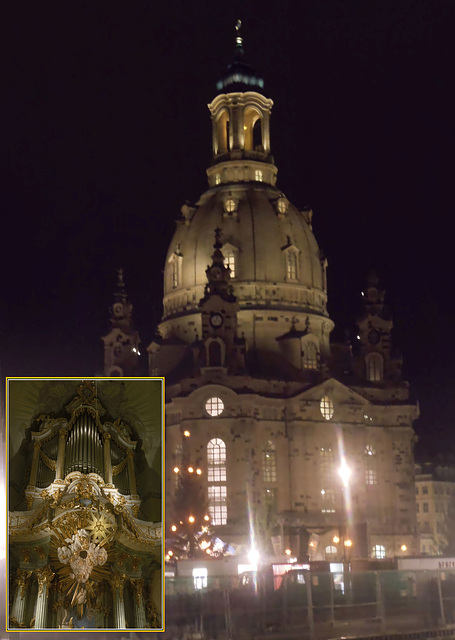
200 578
310 355
328 501
378 551
269 462
291 265
258 175
425 507
214 407
175 274
217 178
375 367
270 499
229 261
371 476
330 550
216 461
326 407
230 205
217 504
216 474
282 205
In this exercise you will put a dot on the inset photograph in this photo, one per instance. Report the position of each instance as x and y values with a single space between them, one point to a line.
85 508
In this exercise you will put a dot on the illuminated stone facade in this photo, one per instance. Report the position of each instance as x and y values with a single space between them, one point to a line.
273 409
435 506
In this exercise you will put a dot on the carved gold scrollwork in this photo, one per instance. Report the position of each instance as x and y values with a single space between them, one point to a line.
117 581
138 585
118 468
49 462
45 576
22 581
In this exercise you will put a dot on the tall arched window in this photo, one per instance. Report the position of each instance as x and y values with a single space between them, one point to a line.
253 130
269 462
222 130
309 355
215 354
216 478
374 367
230 254
371 474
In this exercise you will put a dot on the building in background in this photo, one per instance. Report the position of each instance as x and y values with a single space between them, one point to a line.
304 445
84 501
435 508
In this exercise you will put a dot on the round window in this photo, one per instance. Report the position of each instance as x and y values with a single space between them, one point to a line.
214 407
326 407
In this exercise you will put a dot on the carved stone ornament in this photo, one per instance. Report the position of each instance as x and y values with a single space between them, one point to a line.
117 582
138 584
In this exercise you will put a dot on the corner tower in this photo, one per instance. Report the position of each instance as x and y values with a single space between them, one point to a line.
278 272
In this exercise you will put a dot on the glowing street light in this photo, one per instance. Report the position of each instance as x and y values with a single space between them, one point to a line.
191 519
176 469
199 471
403 547
336 539
190 469
206 518
173 528
288 552
186 433
348 543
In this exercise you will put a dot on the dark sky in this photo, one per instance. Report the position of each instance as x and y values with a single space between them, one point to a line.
105 133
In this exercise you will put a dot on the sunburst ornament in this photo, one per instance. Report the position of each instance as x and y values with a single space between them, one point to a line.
101 528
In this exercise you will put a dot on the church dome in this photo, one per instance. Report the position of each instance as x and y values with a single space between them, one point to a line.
278 272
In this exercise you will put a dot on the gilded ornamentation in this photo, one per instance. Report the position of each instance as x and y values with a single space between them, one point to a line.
49 462
45 576
41 553
22 581
26 555
138 585
63 433
121 559
117 581
135 509
36 445
118 468
82 555
14 622
135 564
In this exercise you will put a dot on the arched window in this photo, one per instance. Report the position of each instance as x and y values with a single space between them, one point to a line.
258 175
327 479
252 128
269 462
309 355
371 474
378 551
215 354
176 270
330 550
230 254
292 263
222 130
374 367
216 478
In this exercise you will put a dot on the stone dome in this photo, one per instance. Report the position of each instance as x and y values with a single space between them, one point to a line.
278 272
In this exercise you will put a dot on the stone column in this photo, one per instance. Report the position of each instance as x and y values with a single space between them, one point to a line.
59 467
34 471
44 576
139 609
20 598
117 582
107 459
131 474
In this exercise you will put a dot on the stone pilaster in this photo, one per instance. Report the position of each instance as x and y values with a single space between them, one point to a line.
59 467
107 459
45 576
20 599
139 608
117 582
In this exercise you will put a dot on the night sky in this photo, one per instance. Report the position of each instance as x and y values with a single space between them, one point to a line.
105 134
